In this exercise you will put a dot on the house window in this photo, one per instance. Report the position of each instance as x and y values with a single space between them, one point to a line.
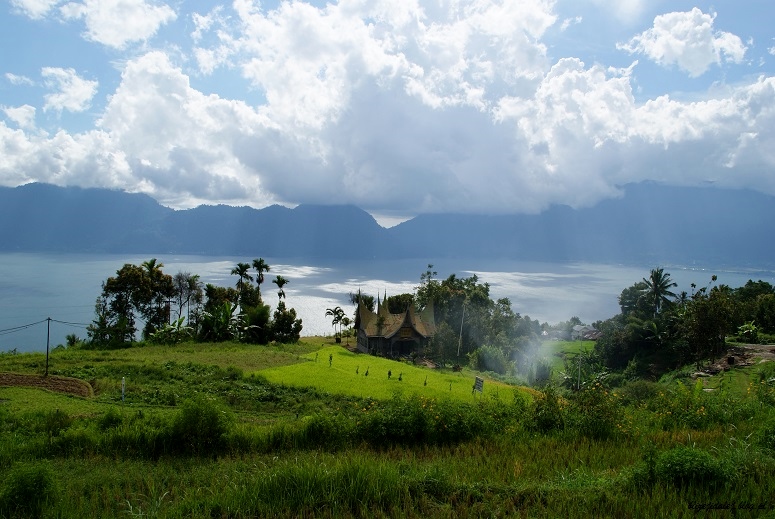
406 333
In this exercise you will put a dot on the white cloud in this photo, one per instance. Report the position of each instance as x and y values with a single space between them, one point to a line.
116 23
73 93
626 11
15 79
570 21
179 141
23 116
34 9
398 108
687 40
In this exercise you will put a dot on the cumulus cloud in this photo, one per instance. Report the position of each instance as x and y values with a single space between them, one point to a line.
116 23
401 109
72 93
687 40
23 116
34 9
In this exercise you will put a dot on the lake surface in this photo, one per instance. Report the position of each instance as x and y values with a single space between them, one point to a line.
64 287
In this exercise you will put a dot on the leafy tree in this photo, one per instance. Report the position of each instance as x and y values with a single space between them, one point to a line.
221 323
286 327
258 329
156 297
242 270
280 282
707 321
632 299
134 292
658 287
261 267
188 289
368 301
399 303
337 314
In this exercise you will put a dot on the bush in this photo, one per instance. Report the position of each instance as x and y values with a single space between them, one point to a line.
489 358
200 428
688 465
27 489
546 413
637 392
595 412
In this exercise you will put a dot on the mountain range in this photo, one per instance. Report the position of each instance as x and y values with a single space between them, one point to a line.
649 224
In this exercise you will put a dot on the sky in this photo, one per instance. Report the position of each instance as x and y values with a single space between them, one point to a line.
400 107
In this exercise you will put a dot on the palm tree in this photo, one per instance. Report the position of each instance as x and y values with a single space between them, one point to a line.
241 270
658 287
338 314
280 282
261 266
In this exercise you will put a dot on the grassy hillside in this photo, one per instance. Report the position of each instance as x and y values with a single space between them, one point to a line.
253 431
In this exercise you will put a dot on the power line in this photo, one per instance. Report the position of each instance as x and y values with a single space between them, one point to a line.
79 325
20 328
8 331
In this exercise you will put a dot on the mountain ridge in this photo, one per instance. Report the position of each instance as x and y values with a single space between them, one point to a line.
701 225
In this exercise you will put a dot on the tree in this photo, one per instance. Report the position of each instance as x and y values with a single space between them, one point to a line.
188 289
280 282
261 267
156 297
706 322
242 270
658 287
337 313
286 327
134 292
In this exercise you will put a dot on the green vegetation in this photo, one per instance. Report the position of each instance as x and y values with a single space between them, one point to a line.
236 430
212 313
230 428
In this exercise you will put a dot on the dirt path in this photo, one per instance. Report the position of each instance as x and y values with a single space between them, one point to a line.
71 386
740 356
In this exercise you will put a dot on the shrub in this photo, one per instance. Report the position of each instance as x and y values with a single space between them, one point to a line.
546 413
489 358
110 420
595 412
637 392
27 489
688 465
200 428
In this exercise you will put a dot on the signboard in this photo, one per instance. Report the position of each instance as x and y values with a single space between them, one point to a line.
478 384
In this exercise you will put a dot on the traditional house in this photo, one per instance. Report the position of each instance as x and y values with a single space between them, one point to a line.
394 335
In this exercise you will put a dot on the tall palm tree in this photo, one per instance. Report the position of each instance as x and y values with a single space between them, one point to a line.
337 313
658 286
280 282
242 270
261 266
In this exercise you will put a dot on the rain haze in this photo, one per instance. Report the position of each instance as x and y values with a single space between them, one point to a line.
398 107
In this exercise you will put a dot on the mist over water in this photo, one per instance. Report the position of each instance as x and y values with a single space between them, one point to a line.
65 287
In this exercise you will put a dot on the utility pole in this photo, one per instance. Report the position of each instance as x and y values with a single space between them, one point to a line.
460 340
48 338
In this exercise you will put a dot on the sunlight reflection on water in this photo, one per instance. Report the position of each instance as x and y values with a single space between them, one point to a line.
65 287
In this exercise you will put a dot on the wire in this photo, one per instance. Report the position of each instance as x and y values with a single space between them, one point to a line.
78 325
20 328
8 331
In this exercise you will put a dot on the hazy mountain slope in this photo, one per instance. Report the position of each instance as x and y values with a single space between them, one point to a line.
649 224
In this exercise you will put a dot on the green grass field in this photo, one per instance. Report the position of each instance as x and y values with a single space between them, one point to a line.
244 431
365 376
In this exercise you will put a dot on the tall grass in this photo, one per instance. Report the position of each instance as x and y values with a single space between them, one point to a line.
243 446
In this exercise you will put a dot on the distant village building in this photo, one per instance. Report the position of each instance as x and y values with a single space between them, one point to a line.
393 335
588 333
